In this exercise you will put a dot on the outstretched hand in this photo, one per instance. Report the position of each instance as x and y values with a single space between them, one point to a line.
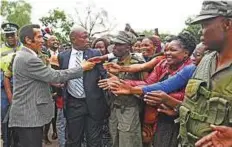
105 83
120 87
220 137
87 65
156 97
97 59
112 67
166 110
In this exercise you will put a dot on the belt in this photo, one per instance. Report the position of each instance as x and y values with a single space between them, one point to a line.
81 99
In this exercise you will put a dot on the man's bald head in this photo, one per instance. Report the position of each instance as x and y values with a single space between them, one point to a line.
76 29
79 38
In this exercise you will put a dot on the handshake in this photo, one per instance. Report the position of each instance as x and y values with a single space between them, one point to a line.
90 63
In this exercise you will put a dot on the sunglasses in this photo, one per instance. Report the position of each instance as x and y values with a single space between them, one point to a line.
9 35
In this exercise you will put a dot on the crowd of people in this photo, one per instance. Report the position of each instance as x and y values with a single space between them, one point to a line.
127 91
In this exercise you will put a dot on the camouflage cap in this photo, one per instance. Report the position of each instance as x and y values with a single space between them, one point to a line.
212 9
9 28
124 37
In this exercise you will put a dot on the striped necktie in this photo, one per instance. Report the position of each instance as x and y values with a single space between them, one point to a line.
79 81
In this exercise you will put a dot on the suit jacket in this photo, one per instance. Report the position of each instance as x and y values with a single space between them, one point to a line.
95 96
32 104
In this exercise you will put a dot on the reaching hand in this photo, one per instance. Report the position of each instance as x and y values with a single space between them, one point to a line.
156 97
103 84
120 87
220 137
106 82
96 60
87 65
112 67
166 110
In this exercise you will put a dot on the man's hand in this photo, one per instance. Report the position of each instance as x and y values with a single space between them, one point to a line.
58 85
87 65
220 137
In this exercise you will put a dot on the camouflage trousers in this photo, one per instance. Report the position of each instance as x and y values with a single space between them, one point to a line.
125 127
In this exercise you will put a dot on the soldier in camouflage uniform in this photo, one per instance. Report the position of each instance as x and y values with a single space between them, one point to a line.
124 121
208 98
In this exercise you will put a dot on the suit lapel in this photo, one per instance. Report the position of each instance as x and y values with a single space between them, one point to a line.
86 54
66 59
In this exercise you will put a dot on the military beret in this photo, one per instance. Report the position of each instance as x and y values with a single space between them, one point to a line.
212 9
124 37
9 28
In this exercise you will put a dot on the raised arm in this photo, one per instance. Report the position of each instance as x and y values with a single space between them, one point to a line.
142 67
37 70
173 83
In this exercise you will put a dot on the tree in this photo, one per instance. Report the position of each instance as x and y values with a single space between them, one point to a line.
148 32
152 32
18 12
60 22
163 36
194 29
93 19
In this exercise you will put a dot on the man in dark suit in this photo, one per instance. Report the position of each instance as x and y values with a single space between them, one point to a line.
84 100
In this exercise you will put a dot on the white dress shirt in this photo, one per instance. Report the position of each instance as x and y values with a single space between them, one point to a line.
72 89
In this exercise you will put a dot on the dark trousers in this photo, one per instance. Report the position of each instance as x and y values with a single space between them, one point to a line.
4 125
30 137
53 122
79 122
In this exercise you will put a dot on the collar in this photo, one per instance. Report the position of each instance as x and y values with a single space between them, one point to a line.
18 44
33 52
51 51
125 61
215 62
74 51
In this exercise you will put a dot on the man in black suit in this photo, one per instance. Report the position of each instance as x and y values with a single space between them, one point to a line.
85 103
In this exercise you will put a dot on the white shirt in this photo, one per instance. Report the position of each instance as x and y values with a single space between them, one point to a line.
53 52
72 64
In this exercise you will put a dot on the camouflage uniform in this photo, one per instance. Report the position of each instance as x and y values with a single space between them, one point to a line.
208 95
124 121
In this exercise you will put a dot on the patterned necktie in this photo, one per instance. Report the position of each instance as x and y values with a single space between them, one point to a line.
79 81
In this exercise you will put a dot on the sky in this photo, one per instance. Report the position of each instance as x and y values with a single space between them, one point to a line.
167 15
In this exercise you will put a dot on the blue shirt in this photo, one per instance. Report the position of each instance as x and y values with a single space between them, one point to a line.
173 83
